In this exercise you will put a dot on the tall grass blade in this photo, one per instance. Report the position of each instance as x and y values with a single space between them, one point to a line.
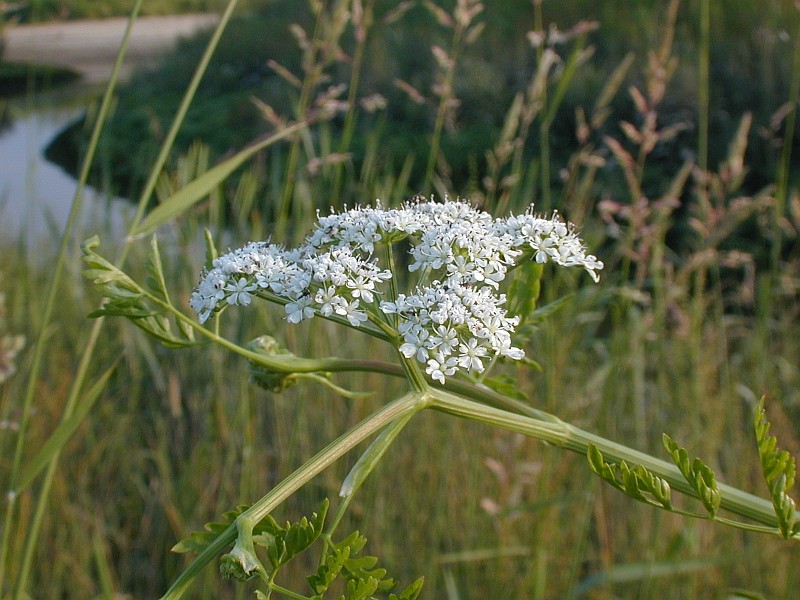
191 194
578 56
50 303
88 350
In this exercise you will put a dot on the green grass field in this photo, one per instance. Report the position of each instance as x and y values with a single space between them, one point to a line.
694 319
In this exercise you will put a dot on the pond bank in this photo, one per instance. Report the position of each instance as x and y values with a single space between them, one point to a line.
90 47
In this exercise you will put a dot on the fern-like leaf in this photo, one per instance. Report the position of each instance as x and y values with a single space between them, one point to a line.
125 298
197 541
412 592
636 482
779 468
329 570
360 589
284 543
699 475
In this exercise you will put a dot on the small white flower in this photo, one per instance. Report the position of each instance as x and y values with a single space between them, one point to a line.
352 313
445 339
328 300
362 287
240 291
440 367
471 355
417 343
299 310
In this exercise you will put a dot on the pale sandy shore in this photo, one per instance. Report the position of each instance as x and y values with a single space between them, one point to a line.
90 47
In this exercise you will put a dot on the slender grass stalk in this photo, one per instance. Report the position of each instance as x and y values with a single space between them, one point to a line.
313 72
47 316
352 95
88 351
177 122
441 111
785 165
544 128
703 60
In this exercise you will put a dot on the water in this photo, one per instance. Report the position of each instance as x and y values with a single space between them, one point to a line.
36 195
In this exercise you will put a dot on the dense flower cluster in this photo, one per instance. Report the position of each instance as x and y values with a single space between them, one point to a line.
453 319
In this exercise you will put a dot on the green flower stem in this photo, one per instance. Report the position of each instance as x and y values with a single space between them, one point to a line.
413 373
382 333
564 435
393 319
291 364
404 406
286 592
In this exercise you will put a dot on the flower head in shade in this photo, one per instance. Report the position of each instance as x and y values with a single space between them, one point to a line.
451 318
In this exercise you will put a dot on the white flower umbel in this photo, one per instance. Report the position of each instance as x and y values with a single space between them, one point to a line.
454 316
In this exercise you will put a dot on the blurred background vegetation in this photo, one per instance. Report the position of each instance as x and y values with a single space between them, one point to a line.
696 315
750 49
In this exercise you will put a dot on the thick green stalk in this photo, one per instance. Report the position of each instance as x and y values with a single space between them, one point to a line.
566 436
404 406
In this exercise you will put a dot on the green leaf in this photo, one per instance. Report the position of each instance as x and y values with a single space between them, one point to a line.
525 331
329 570
372 456
160 327
523 293
284 543
697 473
364 568
104 274
211 248
505 385
779 469
636 482
411 592
125 298
360 589
196 190
572 64
197 541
